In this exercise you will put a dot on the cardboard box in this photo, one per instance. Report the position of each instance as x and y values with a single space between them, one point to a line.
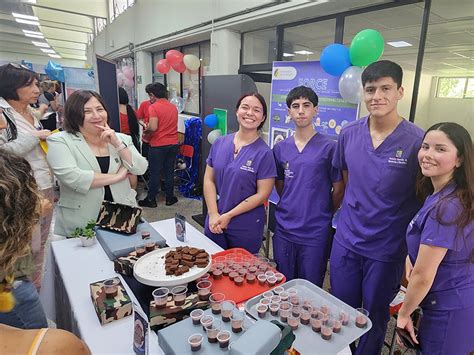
110 309
163 317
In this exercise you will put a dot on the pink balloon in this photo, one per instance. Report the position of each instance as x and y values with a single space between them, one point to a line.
120 79
174 57
163 66
179 67
128 72
128 83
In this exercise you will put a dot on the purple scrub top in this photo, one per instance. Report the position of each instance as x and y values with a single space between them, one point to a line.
379 200
236 179
304 212
453 286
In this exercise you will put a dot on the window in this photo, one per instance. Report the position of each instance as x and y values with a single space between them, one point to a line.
116 7
259 46
455 88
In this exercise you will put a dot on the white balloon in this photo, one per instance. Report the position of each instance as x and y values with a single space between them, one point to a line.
213 135
178 102
191 61
128 72
350 85
120 79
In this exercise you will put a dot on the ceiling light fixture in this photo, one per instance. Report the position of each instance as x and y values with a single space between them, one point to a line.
34 36
54 55
27 22
32 32
41 44
399 44
304 52
26 17
288 54
47 50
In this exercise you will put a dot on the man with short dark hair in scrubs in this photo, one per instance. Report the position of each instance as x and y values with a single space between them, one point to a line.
378 157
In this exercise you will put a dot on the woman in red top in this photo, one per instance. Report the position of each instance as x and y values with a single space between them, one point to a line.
128 119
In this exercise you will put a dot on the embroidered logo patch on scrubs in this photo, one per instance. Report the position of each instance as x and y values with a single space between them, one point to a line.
288 173
398 158
248 166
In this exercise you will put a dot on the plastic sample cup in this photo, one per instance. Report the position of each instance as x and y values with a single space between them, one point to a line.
206 321
146 234
296 311
232 275
361 317
305 315
227 307
223 337
275 299
269 274
140 249
337 325
267 294
160 295
216 300
293 321
238 280
111 288
213 330
262 279
285 296
149 246
237 320
217 274
316 324
285 310
271 280
262 310
195 341
279 277
196 316
179 295
250 278
327 329
265 301
274 308
204 290
277 290
344 317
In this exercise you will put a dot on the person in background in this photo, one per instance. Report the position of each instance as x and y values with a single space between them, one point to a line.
310 190
91 162
241 171
59 94
163 129
20 89
49 98
143 116
378 158
20 207
440 242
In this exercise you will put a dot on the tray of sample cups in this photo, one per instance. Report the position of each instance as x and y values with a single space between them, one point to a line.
321 323
206 332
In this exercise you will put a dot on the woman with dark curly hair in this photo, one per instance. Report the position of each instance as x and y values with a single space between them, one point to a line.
19 213
440 241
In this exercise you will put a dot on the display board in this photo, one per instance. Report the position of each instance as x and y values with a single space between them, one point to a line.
78 79
106 78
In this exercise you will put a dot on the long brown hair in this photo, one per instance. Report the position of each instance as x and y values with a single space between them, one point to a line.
19 209
462 177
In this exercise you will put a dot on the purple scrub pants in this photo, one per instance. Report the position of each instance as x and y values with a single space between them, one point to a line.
363 282
447 332
298 261
250 240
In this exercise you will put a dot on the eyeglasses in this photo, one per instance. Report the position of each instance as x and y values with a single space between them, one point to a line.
19 66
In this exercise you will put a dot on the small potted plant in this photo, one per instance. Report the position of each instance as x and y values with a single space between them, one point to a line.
86 234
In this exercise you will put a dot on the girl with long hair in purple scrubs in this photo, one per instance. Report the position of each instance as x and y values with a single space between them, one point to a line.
440 239
239 178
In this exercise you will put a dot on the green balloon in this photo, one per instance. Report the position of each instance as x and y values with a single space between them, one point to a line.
366 47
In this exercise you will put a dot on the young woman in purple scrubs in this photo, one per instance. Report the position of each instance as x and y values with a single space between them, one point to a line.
239 178
440 241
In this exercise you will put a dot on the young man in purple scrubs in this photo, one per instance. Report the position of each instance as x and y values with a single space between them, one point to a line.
378 158
310 190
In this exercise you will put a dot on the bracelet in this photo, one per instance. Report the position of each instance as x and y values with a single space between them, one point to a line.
124 146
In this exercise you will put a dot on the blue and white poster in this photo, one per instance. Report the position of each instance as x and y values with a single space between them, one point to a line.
333 111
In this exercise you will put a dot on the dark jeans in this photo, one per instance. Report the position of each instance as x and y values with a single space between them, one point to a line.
161 159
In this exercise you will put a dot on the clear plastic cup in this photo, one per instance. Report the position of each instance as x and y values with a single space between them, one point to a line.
267 294
265 301
271 280
285 296
327 330
262 310
213 330
140 249
149 245
275 299
293 321
195 341
111 288
179 295
344 317
285 311
196 316
262 279
279 277
204 289
216 300
274 308
237 320
223 337
305 315
361 317
160 296
227 307
206 321
292 291
296 311
316 324
277 290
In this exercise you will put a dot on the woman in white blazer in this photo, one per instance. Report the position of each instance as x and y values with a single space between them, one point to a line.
91 162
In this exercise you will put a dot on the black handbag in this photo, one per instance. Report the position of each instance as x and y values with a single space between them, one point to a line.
119 217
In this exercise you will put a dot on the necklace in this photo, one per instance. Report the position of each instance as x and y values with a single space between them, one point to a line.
238 147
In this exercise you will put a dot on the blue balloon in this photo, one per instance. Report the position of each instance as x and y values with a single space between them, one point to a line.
211 120
335 59
54 71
